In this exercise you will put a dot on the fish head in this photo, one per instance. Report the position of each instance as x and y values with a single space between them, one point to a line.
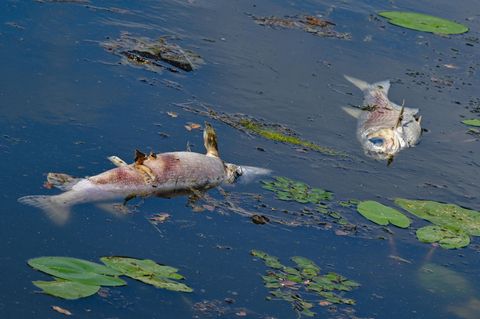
382 144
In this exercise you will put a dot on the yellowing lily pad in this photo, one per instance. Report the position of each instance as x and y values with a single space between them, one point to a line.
448 239
382 215
66 289
147 271
423 22
450 216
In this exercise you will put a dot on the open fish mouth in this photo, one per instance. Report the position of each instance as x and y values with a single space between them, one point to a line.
382 144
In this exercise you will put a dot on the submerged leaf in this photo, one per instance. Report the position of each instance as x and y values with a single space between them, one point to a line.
66 289
423 22
147 271
382 215
77 270
449 239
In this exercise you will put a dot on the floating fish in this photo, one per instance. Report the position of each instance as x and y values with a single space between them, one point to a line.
384 128
162 175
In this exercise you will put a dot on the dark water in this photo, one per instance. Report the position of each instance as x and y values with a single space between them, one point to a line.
67 104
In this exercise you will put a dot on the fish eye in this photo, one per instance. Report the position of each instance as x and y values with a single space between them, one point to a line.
376 141
380 87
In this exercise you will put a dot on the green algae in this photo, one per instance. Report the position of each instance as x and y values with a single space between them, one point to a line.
277 136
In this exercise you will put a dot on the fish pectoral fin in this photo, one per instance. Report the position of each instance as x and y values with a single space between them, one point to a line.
400 118
117 161
353 111
146 171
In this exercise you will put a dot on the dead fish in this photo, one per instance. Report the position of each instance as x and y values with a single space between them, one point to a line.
162 175
384 128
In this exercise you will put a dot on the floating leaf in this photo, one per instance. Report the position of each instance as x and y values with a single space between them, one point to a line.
290 190
423 22
66 289
450 216
449 239
77 270
147 271
382 215
270 261
288 283
472 122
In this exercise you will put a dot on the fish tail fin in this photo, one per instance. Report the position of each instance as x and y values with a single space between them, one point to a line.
362 85
56 210
352 111
365 86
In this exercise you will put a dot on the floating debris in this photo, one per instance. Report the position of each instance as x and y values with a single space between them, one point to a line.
274 132
304 279
307 23
61 310
159 218
154 55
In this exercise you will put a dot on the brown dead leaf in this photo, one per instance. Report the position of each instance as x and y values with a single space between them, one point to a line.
192 126
325 303
172 114
47 185
241 313
159 218
311 20
62 310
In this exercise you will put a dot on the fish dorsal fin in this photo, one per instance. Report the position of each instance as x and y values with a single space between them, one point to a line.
152 155
362 85
353 111
139 157
210 140
384 86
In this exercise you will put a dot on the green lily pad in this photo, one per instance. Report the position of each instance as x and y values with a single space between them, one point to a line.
147 271
77 270
290 190
423 22
450 216
446 283
449 239
472 122
382 215
66 289
270 261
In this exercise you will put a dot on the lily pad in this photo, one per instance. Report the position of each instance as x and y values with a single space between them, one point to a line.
423 22
450 216
77 270
472 122
382 215
290 190
147 271
449 239
66 289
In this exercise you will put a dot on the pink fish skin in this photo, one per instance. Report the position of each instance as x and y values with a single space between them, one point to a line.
166 175
384 128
